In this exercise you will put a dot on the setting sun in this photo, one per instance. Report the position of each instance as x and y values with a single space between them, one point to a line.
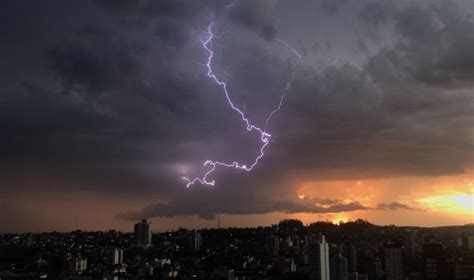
339 219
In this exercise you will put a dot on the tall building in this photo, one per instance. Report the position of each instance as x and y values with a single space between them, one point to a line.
435 265
231 274
375 269
410 244
113 256
293 266
338 267
393 267
356 276
276 245
142 231
353 276
351 255
318 257
467 241
196 241
463 271
77 264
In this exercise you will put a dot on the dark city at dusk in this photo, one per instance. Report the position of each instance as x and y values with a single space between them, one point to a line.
237 139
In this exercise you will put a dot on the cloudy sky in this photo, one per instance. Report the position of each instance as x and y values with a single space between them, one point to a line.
105 105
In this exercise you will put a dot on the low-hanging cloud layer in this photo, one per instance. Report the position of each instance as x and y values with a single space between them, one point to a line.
111 97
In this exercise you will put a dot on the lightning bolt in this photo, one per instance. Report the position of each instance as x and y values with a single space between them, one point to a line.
296 61
263 135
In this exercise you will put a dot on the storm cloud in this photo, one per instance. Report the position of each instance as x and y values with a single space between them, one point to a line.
112 97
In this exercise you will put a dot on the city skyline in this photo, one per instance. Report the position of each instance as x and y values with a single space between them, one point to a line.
287 250
352 110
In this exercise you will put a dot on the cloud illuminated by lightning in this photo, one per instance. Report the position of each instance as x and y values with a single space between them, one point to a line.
263 135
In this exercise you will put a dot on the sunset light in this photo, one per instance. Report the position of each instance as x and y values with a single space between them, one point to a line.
340 219
453 203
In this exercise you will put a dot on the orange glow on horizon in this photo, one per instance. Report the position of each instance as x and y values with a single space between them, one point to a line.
444 200
340 218
452 203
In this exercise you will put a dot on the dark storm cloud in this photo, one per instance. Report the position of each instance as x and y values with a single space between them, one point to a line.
436 40
395 206
172 32
252 14
332 6
120 5
345 118
32 111
374 13
209 210
256 16
325 201
117 101
268 32
102 113
96 67
166 8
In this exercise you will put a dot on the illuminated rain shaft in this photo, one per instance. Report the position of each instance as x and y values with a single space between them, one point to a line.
263 135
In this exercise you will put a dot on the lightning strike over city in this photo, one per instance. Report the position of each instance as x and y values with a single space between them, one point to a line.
264 136
195 114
